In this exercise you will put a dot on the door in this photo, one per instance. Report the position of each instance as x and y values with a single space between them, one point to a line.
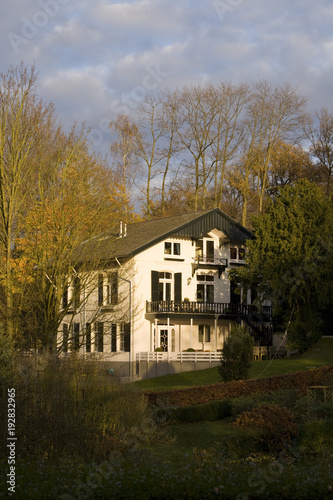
235 297
163 337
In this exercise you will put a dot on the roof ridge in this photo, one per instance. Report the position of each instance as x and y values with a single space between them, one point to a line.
194 212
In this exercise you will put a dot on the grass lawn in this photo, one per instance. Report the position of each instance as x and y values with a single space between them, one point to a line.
319 355
183 441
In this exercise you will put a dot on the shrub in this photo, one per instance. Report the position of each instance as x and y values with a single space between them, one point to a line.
316 436
68 408
322 411
214 410
276 424
241 405
237 355
304 331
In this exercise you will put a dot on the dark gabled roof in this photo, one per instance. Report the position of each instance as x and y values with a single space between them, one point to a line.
142 235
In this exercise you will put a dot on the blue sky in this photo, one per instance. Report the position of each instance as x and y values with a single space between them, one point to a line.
97 58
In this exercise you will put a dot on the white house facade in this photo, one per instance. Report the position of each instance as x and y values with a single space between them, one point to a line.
163 296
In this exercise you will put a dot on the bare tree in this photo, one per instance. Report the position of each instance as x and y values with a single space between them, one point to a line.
320 136
273 115
123 149
230 101
197 132
150 146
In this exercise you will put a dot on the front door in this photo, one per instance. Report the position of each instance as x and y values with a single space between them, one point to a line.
166 338
163 339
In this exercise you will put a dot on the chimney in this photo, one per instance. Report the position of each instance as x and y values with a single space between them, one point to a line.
122 229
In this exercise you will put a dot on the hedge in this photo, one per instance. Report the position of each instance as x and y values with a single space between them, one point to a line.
214 410
235 389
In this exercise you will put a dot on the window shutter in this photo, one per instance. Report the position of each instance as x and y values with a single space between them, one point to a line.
178 287
113 337
154 286
100 290
127 337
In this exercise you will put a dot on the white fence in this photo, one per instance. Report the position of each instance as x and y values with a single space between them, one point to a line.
196 356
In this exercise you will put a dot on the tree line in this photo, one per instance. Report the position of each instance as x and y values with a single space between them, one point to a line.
228 146
54 193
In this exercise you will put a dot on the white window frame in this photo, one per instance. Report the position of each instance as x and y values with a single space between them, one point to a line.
172 249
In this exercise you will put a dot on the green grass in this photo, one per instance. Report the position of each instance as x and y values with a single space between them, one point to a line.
182 440
321 354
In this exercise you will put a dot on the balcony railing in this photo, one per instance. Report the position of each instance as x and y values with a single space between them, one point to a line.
210 261
187 307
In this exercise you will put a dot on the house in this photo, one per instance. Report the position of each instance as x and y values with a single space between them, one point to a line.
162 299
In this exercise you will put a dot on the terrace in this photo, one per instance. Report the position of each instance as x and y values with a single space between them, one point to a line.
207 308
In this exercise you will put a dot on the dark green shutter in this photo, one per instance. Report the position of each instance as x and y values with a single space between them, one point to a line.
127 337
113 337
154 286
178 287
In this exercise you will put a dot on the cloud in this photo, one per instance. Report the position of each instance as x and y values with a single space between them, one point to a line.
98 58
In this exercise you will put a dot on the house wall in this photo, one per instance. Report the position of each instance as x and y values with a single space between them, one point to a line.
186 335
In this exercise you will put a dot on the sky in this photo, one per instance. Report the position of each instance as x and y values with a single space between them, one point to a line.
97 58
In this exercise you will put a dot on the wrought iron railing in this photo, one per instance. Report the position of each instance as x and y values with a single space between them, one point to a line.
220 308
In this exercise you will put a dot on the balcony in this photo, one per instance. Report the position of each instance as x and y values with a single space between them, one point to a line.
204 308
209 263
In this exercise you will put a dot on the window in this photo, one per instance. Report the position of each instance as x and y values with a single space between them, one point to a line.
210 251
99 336
241 253
164 286
237 253
112 288
100 289
125 337
233 253
113 337
88 337
75 336
204 250
204 333
171 248
205 290
199 250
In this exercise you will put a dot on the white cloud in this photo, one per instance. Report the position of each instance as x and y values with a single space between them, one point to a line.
93 54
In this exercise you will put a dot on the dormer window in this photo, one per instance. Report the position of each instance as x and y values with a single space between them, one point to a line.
204 250
172 248
237 253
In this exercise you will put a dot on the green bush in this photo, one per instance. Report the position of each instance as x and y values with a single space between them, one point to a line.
237 355
240 405
316 436
214 410
69 408
322 411
305 331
